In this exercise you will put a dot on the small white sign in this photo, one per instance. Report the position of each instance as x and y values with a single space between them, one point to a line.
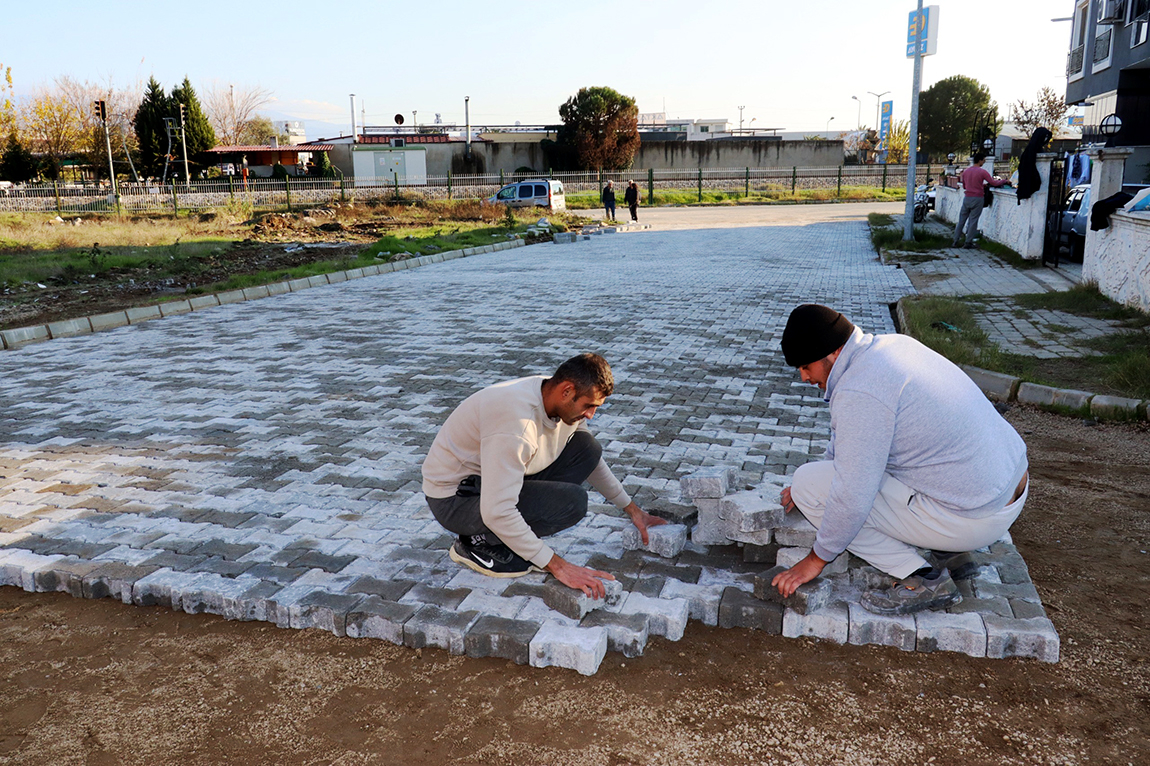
929 23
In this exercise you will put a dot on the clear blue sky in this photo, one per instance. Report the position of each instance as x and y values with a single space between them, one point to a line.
792 65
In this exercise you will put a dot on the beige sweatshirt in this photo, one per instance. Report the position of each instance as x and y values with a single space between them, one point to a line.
502 433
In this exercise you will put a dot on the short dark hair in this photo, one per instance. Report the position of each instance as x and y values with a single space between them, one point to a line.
979 156
589 373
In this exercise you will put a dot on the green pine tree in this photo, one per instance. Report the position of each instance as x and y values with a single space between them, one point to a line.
150 132
17 163
199 134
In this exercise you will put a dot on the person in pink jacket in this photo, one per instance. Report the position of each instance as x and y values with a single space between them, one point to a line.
974 179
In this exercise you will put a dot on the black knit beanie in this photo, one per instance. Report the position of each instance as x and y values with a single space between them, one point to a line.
814 332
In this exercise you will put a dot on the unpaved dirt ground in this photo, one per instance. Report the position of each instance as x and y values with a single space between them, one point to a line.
98 682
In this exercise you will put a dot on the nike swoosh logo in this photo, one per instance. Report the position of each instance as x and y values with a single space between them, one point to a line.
484 562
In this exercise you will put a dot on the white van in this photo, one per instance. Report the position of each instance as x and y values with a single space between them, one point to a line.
536 192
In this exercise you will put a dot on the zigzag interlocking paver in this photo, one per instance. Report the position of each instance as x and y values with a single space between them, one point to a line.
271 449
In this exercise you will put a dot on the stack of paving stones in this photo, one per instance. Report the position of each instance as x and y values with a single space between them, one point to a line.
1000 614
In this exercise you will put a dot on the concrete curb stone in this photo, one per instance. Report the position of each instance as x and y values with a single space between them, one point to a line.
109 321
68 328
139 314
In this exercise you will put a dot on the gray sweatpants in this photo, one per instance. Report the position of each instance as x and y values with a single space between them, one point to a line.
968 217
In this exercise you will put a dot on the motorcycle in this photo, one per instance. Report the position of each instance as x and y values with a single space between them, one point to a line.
921 202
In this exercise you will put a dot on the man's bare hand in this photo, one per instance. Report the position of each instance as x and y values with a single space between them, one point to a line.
590 581
785 499
806 570
642 520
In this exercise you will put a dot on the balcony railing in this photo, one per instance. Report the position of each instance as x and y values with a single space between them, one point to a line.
1074 61
1102 45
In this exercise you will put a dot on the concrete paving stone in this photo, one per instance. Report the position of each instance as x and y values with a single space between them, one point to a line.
665 617
739 609
82 549
508 639
570 603
788 557
492 604
808 597
712 482
1009 637
941 632
666 540
1012 574
702 600
317 560
761 554
422 593
831 623
751 512
220 549
574 648
626 633
222 566
466 578
537 611
795 531
1018 591
209 592
256 603
65 575
326 611
886 630
376 617
1024 610
280 575
983 606
438 627
113 579
157 588
388 590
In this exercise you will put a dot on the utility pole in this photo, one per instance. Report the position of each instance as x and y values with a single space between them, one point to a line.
467 122
741 108
184 141
912 142
232 104
101 109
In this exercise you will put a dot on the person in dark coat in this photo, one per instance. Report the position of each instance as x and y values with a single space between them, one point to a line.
607 197
1028 178
631 197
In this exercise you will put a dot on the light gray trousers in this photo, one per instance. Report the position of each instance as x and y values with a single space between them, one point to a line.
968 216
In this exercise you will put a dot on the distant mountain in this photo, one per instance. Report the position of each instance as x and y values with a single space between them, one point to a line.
315 128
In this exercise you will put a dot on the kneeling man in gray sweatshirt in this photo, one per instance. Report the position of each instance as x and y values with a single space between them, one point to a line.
508 466
918 458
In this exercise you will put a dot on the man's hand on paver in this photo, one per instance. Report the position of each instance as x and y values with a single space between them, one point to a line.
590 581
806 570
785 499
642 520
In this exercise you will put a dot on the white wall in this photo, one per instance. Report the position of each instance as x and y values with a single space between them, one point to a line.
1118 259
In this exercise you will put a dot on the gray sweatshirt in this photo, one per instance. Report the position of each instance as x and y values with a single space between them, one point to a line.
502 434
899 408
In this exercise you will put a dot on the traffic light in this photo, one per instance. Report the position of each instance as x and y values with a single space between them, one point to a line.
101 110
183 112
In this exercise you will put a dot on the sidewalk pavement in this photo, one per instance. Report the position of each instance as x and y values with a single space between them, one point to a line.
261 460
1017 330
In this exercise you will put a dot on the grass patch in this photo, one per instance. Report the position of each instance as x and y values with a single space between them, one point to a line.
436 239
1002 252
891 239
1122 368
878 220
1085 301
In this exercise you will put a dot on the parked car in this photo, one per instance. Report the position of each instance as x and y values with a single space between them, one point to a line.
535 192
1068 224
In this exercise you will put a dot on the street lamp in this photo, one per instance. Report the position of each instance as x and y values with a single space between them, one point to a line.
858 117
741 108
828 128
1110 126
877 105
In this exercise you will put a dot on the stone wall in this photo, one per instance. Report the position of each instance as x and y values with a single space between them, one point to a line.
1118 259
1021 226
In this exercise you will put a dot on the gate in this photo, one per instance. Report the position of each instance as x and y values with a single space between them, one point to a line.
1055 208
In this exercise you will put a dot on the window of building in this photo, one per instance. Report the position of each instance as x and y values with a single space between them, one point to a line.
1140 18
704 128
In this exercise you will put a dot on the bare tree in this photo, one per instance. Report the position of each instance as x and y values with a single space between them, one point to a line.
1048 111
231 107
120 105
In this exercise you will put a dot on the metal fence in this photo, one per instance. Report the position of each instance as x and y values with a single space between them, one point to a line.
301 193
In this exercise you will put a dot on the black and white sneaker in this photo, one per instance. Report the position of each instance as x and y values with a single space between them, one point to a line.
492 560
